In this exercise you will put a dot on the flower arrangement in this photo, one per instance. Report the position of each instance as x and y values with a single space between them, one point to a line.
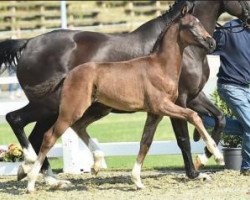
13 154
230 141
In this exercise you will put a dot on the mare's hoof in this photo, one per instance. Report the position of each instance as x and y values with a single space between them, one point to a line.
196 135
197 164
94 171
21 173
200 161
98 157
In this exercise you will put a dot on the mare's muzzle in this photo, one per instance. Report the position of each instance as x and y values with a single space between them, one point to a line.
247 22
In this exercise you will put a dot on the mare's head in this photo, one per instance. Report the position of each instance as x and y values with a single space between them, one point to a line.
240 9
192 32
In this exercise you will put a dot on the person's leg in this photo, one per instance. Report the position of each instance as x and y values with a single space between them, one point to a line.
238 99
233 126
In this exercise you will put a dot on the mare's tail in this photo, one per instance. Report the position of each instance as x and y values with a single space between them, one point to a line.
10 52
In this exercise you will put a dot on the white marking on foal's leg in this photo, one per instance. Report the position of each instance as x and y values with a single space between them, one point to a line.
212 147
136 175
32 176
29 154
52 181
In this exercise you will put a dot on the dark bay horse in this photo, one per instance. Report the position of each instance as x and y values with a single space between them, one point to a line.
148 83
50 56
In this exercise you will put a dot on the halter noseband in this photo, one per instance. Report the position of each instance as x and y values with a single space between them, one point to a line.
246 12
246 17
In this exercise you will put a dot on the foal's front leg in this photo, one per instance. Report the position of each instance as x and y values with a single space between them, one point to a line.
166 107
146 141
203 105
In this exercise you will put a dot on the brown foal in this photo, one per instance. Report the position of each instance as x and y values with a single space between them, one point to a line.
147 84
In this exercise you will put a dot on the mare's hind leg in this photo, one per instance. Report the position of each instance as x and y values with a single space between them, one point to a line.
18 120
182 137
95 112
203 105
170 109
146 141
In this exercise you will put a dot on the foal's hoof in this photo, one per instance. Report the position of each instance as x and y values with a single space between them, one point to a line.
204 177
30 191
220 161
218 157
61 184
138 183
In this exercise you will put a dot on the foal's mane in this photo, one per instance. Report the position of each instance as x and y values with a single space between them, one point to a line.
169 17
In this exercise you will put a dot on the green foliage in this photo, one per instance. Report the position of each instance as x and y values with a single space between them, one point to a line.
231 141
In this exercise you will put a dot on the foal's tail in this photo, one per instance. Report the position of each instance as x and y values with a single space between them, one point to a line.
10 53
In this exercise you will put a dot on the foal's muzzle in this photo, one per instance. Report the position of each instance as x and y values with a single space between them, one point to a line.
211 44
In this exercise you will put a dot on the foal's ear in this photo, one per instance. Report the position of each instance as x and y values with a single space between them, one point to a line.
184 10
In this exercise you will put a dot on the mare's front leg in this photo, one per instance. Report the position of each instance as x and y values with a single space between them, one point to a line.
203 105
95 112
146 141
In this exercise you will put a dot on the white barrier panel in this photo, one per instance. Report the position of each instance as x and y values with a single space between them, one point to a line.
214 64
77 158
8 80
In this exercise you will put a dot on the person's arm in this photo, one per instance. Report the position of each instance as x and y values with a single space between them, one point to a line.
220 39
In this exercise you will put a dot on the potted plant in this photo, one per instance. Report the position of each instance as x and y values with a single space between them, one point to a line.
231 143
10 159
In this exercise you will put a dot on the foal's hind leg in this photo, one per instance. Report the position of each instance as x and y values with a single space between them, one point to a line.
36 138
146 141
95 112
71 110
170 109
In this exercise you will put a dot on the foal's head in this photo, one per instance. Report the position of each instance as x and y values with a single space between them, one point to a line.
192 32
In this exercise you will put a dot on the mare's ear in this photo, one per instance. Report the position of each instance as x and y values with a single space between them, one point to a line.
184 10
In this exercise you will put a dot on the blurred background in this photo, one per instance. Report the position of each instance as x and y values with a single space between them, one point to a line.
22 19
